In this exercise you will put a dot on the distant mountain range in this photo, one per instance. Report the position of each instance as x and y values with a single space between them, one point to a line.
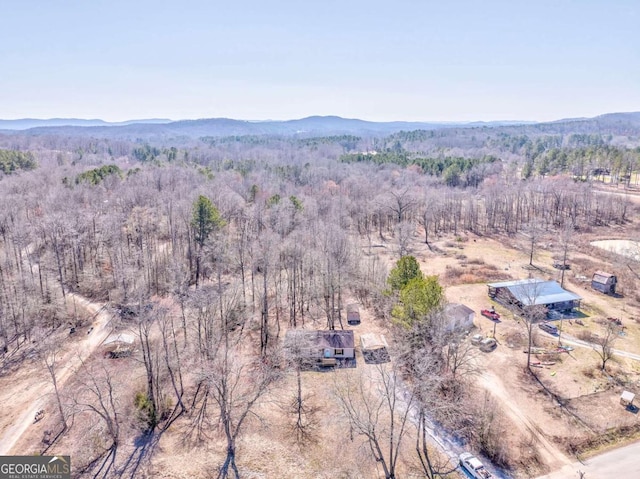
312 122
27 123
158 129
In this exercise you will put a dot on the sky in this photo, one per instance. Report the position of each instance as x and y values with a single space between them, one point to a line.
419 60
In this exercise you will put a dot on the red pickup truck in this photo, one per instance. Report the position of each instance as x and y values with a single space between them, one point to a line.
492 315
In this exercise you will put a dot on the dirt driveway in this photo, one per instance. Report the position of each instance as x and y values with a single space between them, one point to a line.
27 395
533 413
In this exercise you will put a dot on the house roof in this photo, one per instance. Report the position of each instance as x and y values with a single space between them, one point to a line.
536 291
301 338
120 338
457 311
601 277
627 396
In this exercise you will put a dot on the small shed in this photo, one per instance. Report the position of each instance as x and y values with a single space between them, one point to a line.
373 341
119 345
458 317
374 348
353 315
626 399
604 282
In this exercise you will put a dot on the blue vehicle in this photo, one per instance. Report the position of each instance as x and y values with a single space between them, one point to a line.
549 328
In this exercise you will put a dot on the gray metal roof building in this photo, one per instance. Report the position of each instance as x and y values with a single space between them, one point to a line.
529 292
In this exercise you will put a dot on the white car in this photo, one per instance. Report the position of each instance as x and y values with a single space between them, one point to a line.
473 466
488 344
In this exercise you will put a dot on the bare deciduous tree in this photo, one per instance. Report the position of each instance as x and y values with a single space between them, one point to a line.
231 377
95 393
404 232
530 311
301 404
488 429
372 405
533 232
51 356
433 465
429 212
402 204
461 358
566 238
603 345
236 383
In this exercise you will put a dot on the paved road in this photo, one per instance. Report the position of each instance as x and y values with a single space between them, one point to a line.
566 339
622 463
573 341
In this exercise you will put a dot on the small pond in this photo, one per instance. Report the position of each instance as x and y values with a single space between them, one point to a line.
628 248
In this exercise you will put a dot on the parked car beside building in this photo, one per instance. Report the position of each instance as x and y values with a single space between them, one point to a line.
549 328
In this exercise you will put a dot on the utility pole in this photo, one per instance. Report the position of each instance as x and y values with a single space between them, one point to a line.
561 324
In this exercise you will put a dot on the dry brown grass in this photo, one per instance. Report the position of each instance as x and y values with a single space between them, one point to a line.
476 261
590 371
269 449
615 436
515 339
575 377
584 335
548 357
471 272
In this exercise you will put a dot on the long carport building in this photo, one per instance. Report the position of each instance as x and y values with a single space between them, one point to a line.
523 293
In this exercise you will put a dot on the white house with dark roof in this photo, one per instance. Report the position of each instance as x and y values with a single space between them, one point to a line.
318 346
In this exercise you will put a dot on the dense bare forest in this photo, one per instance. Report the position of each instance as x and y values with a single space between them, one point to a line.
210 248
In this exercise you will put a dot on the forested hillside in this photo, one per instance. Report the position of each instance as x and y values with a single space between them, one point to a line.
208 249
13 161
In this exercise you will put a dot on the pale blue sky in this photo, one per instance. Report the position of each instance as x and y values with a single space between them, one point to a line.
377 60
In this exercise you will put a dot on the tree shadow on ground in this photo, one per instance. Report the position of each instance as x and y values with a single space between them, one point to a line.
561 402
103 462
145 445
